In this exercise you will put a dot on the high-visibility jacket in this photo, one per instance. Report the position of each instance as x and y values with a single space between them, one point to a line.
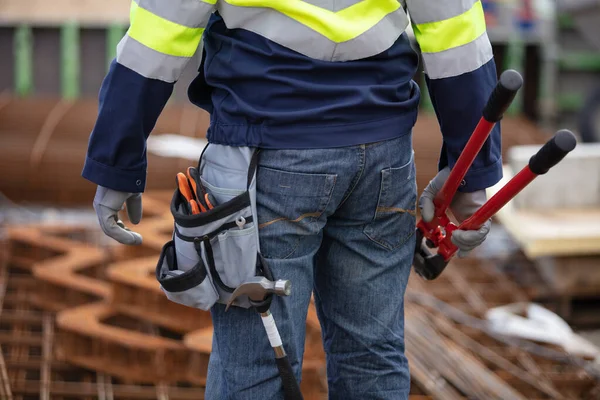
296 74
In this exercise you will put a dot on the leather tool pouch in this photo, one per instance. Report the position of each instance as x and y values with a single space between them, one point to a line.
214 252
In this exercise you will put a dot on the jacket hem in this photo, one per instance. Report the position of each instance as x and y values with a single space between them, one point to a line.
295 136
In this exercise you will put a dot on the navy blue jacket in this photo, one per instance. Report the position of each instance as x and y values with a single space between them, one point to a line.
265 95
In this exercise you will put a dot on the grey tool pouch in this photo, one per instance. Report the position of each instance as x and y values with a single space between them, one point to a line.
213 252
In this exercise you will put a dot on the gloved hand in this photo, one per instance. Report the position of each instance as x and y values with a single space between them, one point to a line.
108 203
462 207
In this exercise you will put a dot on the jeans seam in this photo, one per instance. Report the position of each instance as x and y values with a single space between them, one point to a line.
329 198
357 178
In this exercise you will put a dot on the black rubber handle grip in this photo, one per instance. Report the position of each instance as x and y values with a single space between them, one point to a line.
291 389
504 93
429 266
552 152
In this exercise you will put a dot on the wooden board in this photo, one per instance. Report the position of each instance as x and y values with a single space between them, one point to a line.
56 12
557 232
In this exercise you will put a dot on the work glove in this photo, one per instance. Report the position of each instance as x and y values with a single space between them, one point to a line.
462 207
108 203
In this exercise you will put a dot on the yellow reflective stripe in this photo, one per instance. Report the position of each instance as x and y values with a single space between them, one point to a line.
339 26
163 35
434 37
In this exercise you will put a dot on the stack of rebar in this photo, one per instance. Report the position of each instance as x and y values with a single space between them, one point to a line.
453 352
430 351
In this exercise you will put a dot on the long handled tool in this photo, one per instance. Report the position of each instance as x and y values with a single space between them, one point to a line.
260 291
438 232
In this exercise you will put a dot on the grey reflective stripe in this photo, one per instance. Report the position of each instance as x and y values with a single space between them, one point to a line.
422 11
341 4
326 4
287 32
149 63
377 39
332 5
458 60
191 13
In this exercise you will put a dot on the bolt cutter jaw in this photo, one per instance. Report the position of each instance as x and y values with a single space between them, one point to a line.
428 265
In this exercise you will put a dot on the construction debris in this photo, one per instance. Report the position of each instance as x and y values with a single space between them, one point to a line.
454 366
84 319
451 310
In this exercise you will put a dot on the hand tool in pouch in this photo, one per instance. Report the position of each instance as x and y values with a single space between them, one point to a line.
438 232
204 199
186 191
209 254
260 291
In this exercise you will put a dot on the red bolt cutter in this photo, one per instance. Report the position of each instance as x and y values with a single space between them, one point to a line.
438 232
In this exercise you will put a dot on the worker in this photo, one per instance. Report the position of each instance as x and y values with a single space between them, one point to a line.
325 89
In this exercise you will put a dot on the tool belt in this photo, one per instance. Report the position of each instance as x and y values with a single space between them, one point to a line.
215 246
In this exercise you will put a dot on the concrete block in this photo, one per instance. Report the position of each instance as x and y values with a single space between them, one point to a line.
572 184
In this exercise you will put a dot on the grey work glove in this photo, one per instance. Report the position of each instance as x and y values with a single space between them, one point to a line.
462 207
108 203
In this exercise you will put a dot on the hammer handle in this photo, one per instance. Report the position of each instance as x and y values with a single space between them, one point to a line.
291 389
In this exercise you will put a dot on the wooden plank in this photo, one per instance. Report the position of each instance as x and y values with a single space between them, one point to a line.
10 338
572 276
559 232
79 389
57 12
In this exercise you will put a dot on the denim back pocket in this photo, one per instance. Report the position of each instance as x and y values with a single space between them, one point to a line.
291 205
394 221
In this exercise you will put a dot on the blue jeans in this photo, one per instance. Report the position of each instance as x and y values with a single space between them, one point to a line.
340 223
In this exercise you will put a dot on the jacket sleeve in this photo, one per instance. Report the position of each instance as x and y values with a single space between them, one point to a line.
460 75
163 36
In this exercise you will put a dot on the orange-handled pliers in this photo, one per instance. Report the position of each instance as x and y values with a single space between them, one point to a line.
205 200
185 188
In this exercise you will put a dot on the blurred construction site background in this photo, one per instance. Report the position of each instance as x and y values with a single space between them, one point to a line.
83 318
